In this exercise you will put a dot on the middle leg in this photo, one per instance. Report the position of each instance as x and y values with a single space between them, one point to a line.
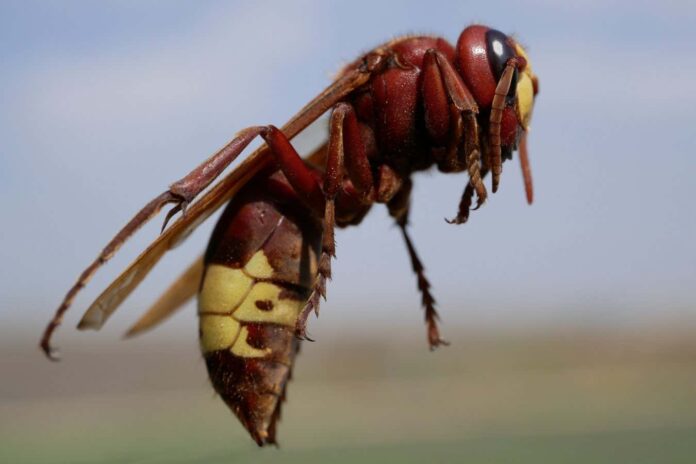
399 208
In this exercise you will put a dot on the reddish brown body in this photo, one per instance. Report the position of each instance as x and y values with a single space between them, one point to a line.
413 103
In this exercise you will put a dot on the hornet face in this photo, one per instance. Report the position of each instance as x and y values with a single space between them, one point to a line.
485 58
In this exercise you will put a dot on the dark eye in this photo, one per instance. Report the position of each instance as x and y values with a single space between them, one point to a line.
499 52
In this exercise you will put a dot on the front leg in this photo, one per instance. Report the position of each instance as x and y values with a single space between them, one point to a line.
465 203
450 118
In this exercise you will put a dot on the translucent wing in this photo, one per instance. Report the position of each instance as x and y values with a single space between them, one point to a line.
182 290
218 195
186 285
113 296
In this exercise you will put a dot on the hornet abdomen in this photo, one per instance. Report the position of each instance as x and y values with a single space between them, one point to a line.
259 270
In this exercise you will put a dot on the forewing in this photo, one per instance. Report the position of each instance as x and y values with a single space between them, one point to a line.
186 285
113 296
219 194
181 291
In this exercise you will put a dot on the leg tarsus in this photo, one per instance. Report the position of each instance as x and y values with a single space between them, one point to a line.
473 160
465 203
301 323
323 274
180 206
313 302
427 299
464 206
144 215
475 179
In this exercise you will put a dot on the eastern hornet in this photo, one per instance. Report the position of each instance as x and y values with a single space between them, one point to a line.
403 107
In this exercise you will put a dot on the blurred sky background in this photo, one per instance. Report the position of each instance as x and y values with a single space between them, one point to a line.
103 104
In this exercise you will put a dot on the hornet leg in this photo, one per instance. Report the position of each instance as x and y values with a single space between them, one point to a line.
346 154
450 117
399 209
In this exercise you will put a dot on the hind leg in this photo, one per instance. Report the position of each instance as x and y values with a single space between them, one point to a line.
346 155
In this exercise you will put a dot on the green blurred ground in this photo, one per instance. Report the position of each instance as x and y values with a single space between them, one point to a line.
555 396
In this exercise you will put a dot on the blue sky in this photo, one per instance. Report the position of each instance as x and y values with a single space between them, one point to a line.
103 104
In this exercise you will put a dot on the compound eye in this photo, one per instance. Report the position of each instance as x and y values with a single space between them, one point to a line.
482 55
499 51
